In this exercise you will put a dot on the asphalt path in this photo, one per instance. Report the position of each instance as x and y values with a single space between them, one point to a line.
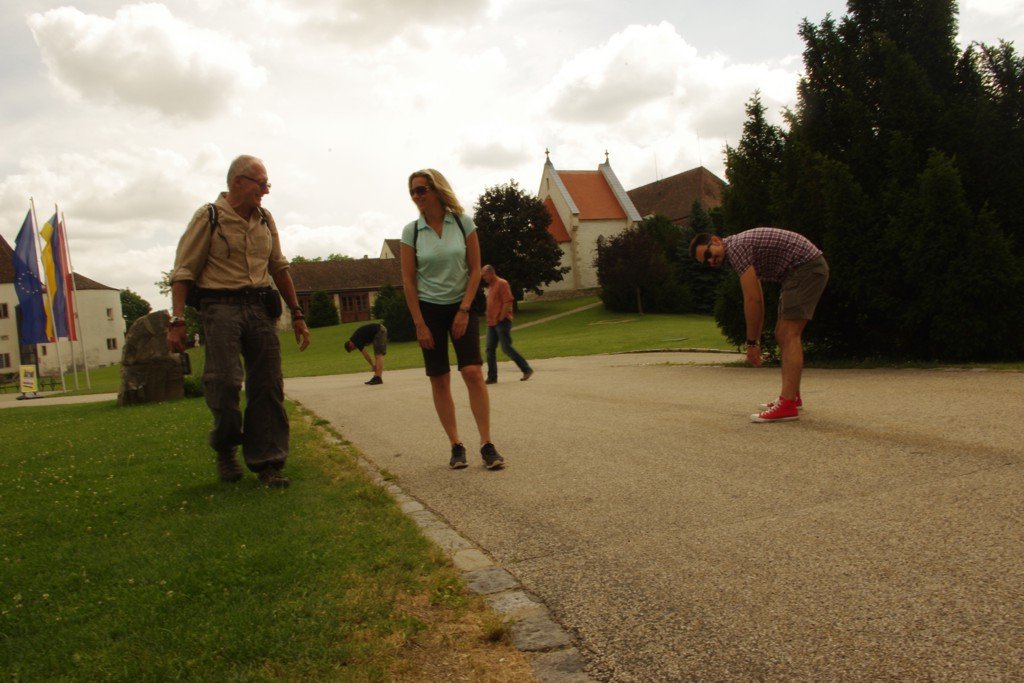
880 536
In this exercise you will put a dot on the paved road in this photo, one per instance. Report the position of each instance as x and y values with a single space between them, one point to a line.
880 536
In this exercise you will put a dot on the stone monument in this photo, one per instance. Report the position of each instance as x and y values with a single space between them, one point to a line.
150 373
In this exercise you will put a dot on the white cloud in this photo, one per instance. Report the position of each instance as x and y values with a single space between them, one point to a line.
145 57
649 76
494 154
365 22
1012 10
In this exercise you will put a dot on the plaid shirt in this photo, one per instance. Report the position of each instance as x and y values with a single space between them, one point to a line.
773 252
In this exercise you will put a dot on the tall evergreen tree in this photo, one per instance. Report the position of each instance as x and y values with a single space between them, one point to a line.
904 161
750 167
322 311
701 281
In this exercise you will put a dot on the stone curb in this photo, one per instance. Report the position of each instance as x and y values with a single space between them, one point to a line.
532 628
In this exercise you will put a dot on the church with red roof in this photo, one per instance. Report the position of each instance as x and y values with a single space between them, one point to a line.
584 205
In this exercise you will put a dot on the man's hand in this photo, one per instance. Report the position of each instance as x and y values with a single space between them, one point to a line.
176 338
754 356
301 333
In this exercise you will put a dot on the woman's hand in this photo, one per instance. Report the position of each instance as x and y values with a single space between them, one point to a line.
424 337
459 324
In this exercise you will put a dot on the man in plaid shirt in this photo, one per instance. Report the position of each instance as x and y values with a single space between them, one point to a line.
773 255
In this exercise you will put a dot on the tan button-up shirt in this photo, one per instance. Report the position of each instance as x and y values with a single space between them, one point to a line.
237 254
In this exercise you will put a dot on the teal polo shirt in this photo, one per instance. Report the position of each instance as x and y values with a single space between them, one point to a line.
442 273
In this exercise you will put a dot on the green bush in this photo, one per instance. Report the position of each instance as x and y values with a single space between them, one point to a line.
193 386
390 309
730 317
322 311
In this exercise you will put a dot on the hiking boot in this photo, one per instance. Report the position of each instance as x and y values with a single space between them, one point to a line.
273 479
799 403
526 375
490 380
227 467
781 410
458 460
492 460
374 380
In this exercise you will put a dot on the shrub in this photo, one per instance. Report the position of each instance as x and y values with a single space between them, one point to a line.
322 312
390 309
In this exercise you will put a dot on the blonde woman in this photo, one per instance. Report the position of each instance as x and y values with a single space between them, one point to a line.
441 274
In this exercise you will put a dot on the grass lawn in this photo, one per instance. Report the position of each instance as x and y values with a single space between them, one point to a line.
580 334
124 558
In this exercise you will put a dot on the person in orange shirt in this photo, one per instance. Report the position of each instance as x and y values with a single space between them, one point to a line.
499 325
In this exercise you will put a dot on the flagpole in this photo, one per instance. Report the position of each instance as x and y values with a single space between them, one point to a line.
32 210
74 290
58 234
49 297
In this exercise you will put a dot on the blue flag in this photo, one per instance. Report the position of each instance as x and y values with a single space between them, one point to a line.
28 285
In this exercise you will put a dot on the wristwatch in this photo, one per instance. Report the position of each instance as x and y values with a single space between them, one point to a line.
177 320
753 342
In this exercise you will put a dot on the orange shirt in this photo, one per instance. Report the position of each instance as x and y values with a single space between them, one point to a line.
498 295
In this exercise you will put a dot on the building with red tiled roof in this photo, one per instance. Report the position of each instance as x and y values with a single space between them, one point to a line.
584 205
353 284
673 197
100 325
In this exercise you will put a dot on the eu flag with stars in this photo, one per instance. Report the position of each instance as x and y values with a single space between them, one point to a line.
28 285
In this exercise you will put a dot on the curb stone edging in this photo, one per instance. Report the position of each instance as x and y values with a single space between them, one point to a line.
532 628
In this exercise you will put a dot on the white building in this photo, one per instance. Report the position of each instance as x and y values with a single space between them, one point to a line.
584 205
101 325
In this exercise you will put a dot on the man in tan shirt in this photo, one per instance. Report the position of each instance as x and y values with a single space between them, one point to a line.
229 254
499 325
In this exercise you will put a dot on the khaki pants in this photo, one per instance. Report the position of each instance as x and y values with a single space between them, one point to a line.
235 332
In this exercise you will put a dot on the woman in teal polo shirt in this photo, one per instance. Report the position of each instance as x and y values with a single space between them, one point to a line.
441 274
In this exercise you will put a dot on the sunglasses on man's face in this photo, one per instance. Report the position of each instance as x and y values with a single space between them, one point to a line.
264 185
418 191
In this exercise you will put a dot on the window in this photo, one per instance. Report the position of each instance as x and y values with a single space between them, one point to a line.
4 313
111 343
354 302
44 349
110 316
5 358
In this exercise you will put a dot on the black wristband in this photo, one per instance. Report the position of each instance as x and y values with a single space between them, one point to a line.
753 342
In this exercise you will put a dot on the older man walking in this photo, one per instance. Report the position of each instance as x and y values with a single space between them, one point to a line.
226 261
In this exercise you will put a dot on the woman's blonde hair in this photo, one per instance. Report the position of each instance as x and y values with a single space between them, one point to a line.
439 184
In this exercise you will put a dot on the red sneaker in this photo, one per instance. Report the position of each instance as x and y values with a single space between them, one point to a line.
781 410
799 403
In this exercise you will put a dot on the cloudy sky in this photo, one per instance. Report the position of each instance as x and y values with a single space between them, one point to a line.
127 114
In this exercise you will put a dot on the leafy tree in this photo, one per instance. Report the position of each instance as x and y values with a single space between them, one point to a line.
321 259
133 307
164 283
322 311
390 308
633 270
514 238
